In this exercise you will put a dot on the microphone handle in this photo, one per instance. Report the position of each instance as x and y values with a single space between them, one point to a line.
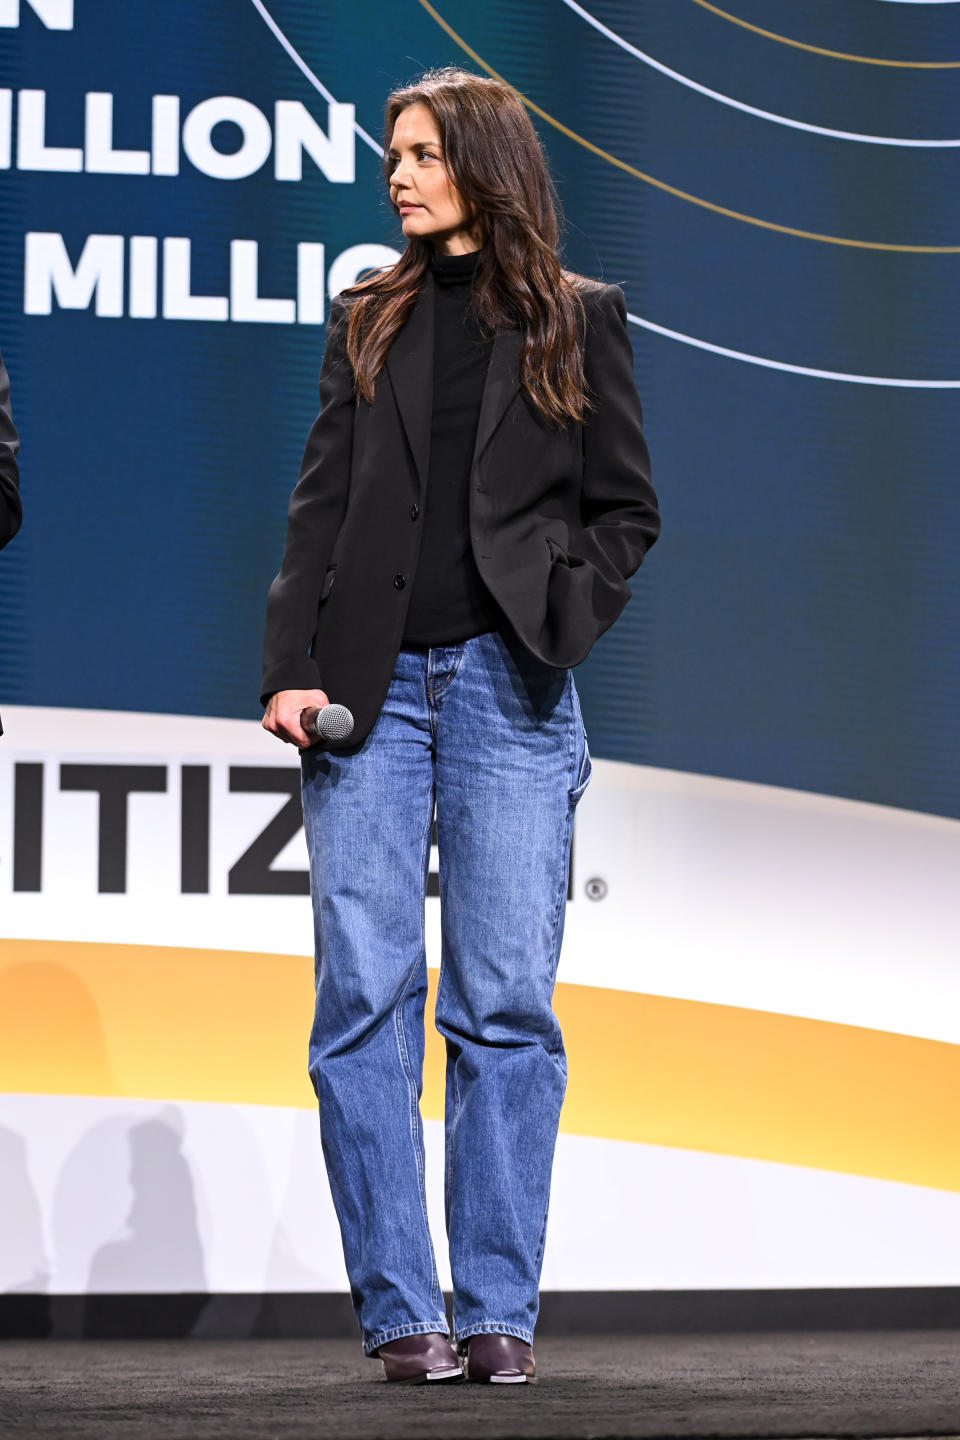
308 719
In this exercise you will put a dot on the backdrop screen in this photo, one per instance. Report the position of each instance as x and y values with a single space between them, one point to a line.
758 985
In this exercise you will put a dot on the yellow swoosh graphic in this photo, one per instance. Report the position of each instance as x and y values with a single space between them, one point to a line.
833 54
672 189
149 1022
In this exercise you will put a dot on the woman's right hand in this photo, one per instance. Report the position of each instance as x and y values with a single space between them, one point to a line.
282 715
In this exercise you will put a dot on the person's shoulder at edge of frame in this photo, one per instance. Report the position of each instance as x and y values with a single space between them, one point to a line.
585 284
592 294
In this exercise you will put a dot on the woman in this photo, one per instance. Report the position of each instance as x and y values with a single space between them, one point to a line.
473 497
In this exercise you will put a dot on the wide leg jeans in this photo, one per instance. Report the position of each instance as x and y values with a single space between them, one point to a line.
495 739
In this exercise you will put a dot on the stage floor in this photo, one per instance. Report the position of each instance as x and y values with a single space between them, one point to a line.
886 1384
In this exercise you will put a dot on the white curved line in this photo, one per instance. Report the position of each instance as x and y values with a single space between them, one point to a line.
793 369
750 109
304 68
636 319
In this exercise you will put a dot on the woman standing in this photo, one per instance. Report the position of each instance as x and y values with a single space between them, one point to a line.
473 497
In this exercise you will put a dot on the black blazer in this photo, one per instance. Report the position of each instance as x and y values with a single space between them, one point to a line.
10 511
559 517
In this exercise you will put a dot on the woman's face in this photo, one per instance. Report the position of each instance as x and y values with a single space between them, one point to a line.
429 203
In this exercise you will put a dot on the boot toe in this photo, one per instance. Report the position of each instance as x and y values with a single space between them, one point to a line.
500 1360
419 1359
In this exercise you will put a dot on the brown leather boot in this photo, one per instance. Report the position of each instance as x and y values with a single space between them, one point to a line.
500 1360
414 1359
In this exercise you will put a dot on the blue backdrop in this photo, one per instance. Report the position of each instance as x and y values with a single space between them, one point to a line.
774 180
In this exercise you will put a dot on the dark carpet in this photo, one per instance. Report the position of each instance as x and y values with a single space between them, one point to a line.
887 1384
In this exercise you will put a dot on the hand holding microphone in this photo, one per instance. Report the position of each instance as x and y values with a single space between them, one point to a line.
329 722
302 717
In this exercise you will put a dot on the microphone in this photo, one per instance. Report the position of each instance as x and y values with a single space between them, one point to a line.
330 722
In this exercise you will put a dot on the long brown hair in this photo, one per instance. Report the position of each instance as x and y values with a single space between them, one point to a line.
493 156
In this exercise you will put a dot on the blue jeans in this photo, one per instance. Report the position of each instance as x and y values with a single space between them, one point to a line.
495 737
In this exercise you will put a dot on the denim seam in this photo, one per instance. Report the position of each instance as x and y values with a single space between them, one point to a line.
566 829
453 1130
566 834
420 1327
573 738
555 960
412 1087
543 1236
432 709
433 692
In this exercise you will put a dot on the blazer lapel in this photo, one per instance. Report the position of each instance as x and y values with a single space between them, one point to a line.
500 384
409 364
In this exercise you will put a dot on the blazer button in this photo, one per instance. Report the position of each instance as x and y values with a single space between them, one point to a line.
399 581
414 511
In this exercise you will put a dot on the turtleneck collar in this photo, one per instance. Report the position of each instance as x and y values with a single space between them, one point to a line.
454 269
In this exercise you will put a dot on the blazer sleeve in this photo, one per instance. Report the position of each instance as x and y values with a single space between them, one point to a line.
619 506
314 517
11 512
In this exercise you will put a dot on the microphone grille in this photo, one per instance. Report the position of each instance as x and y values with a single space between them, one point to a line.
334 722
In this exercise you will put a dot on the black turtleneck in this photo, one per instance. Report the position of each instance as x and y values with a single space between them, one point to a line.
450 602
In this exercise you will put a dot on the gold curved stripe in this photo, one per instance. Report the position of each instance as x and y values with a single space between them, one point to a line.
672 189
149 1022
833 54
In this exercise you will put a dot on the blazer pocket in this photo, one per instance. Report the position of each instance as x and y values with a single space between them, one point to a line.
327 585
558 553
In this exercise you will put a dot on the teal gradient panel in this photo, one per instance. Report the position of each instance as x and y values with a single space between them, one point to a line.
797 624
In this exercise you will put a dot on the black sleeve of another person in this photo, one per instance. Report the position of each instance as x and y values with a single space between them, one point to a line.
10 511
